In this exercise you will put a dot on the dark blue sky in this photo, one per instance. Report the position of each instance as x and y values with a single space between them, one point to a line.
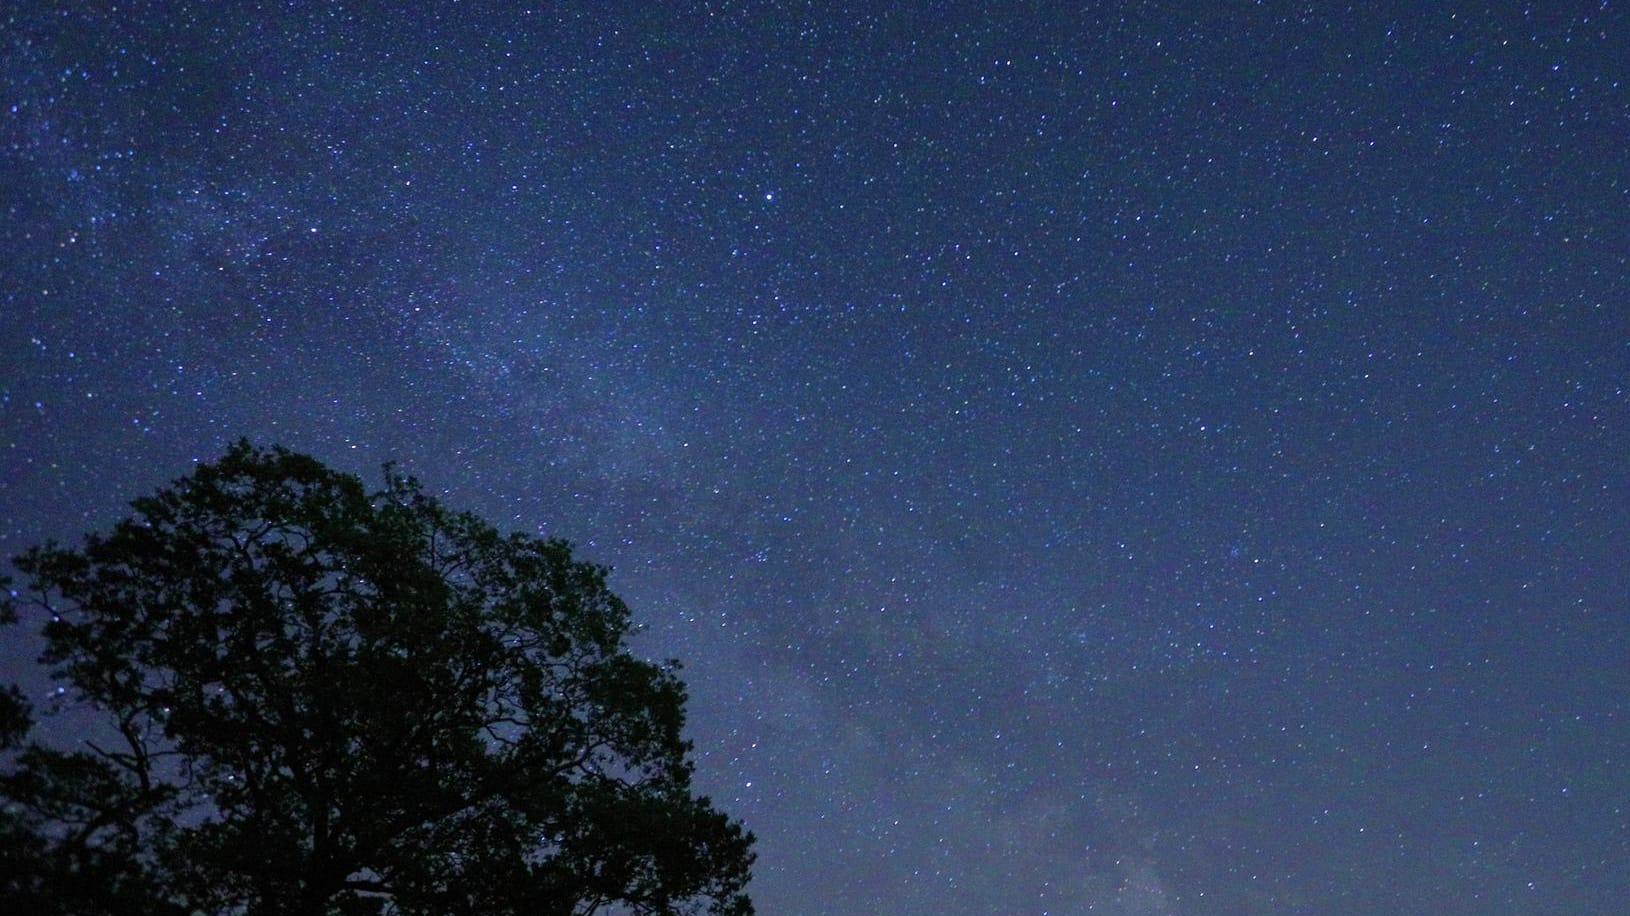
1138 461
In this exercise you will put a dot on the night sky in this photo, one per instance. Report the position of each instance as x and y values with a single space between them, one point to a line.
1165 459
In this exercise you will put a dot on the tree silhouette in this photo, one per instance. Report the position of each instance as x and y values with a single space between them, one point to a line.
319 700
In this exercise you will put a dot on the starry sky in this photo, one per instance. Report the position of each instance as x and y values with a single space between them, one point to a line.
1142 458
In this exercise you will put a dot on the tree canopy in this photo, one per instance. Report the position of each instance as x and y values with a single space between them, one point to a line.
315 699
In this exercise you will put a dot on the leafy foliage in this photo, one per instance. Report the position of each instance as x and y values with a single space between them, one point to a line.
320 700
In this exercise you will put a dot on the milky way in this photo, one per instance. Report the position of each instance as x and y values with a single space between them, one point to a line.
1114 462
